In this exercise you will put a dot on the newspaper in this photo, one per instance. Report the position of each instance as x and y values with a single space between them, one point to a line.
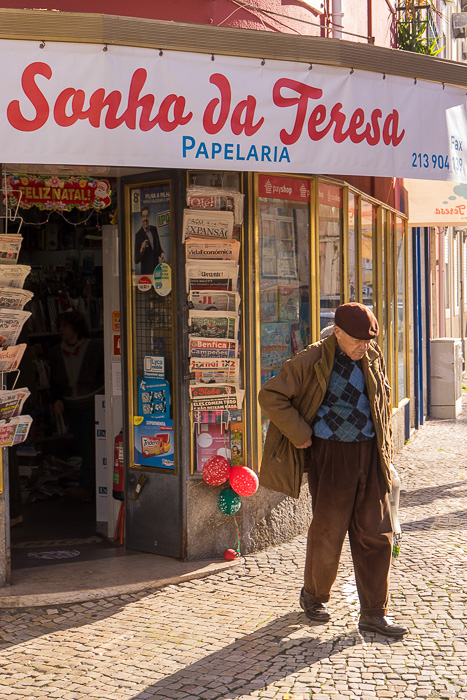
216 397
14 431
12 402
209 274
11 298
10 245
214 371
214 300
11 323
213 324
11 357
212 249
217 199
13 275
207 224
213 348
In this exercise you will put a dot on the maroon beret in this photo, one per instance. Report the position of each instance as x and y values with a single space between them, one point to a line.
357 320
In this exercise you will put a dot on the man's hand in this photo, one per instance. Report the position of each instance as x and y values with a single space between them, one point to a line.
305 444
163 258
143 246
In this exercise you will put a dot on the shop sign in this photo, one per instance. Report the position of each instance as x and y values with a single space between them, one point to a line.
291 188
129 106
330 195
57 193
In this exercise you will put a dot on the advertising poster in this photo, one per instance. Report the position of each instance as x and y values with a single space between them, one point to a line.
154 446
150 228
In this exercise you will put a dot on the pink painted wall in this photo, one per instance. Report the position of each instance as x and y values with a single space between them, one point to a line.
287 16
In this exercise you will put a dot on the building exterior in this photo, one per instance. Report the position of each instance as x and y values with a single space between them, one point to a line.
266 151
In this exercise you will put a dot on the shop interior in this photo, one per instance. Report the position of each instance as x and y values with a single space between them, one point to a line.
63 248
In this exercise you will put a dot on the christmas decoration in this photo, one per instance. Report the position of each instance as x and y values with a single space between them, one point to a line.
231 554
228 502
216 470
243 480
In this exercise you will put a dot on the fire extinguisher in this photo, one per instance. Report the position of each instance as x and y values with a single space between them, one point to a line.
118 487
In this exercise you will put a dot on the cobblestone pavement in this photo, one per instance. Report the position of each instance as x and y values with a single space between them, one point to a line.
240 634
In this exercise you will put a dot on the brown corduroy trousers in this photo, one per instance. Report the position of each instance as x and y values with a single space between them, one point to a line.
348 496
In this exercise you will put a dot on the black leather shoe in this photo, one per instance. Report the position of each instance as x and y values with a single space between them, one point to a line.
313 610
383 625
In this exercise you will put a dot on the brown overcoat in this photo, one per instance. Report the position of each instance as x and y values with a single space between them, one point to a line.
291 400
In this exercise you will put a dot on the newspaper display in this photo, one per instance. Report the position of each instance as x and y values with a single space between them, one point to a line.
11 357
213 324
207 224
214 300
212 266
12 402
217 199
14 431
212 249
11 298
11 323
217 397
13 275
10 245
208 274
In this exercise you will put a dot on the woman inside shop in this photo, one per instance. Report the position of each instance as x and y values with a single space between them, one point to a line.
77 375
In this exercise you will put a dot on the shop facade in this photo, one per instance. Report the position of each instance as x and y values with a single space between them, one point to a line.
255 248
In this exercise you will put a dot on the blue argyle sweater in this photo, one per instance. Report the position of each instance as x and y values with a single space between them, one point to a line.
345 414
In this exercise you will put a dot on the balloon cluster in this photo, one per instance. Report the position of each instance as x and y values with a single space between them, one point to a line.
242 482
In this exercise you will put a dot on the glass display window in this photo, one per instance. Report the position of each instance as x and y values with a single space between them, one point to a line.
150 317
330 217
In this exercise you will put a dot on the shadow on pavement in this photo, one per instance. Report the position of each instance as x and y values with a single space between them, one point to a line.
456 520
274 652
423 496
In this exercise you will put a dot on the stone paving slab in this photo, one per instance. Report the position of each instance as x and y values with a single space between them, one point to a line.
239 633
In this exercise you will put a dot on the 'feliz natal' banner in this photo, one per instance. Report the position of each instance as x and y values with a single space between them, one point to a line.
57 193
75 103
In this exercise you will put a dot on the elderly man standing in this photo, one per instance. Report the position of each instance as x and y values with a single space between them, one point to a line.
329 414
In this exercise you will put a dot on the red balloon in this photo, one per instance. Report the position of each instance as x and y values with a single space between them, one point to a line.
243 480
216 470
230 554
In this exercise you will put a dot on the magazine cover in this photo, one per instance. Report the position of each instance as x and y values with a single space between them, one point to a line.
11 298
207 224
209 274
212 348
11 323
154 442
214 300
213 324
217 397
214 371
13 275
10 245
212 439
11 357
216 198
276 345
212 249
14 431
12 402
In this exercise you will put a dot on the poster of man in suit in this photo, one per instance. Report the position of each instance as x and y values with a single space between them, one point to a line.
150 220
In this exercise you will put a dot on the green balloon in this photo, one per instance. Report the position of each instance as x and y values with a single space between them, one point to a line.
228 502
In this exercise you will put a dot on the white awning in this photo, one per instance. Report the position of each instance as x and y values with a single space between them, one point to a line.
436 203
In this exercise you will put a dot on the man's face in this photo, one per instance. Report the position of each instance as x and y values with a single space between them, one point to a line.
353 347
145 219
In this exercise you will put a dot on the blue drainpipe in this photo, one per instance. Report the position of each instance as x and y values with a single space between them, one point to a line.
417 324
